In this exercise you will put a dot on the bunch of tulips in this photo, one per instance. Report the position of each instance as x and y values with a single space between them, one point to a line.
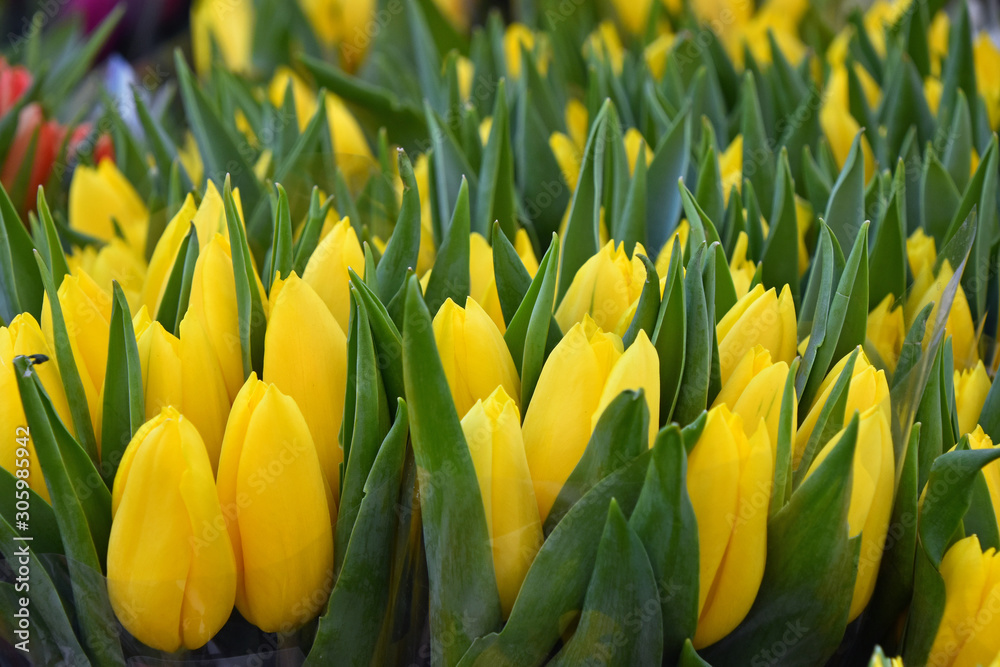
626 333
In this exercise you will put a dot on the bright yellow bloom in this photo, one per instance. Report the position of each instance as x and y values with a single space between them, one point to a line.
729 482
474 355
493 432
421 174
969 632
633 142
101 197
886 331
881 16
115 261
731 167
300 321
759 318
204 395
656 53
24 336
568 157
872 478
920 252
633 14
482 276
754 392
345 24
516 37
227 23
933 89
867 389
663 259
937 41
326 271
582 375
86 308
171 570
927 288
991 471
277 509
986 57
839 125
605 288
804 219
458 12
742 269
971 388
605 44
160 358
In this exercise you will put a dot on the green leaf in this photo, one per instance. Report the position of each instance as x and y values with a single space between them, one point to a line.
348 630
512 279
830 420
447 166
309 236
252 320
533 332
20 285
631 224
281 240
670 164
665 522
941 198
176 293
496 199
689 656
670 335
845 211
805 595
692 396
450 276
648 309
779 261
404 245
620 435
621 587
957 155
82 506
50 245
781 489
388 341
887 263
124 407
464 601
759 164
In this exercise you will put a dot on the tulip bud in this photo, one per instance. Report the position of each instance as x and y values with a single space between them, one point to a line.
160 358
23 337
920 252
839 126
868 388
493 431
204 395
482 277
98 195
277 508
886 331
515 37
605 287
742 269
926 289
213 303
86 309
582 375
991 471
171 580
114 261
969 632
568 156
300 321
354 156
327 273
663 258
873 475
633 142
986 60
633 14
227 23
754 392
804 218
971 388
731 167
729 483
341 23
474 355
759 318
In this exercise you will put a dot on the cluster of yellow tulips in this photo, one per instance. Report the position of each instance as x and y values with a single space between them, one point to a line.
671 348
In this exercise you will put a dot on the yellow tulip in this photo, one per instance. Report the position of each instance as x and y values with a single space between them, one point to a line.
303 96
933 90
227 23
969 632
731 167
759 318
926 289
568 157
633 14
605 287
839 125
867 389
605 44
742 269
754 392
804 218
86 309
347 24
427 253
872 478
729 483
327 273
482 276
663 259
583 374
516 37
779 17
493 432
458 12
886 331
986 58
23 336
160 358
277 508
204 396
971 388
98 195
300 321
577 122
350 146
171 580
115 261
633 142
991 471
920 252
474 355
655 54
937 40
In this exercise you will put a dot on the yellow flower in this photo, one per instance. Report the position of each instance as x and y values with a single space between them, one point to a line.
474 355
937 40
933 89
729 482
24 336
343 23
969 632
482 276
204 396
663 259
326 271
986 58
303 96
605 288
171 580
781 18
583 374
886 331
516 37
277 509
656 53
867 389
86 308
568 157
633 14
731 167
427 253
759 318
577 122
971 388
115 261
927 288
872 478
227 23
633 142
991 471
101 197
458 12
754 392
880 16
839 125
803 219
605 44
920 252
493 432
741 268
300 321
160 359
